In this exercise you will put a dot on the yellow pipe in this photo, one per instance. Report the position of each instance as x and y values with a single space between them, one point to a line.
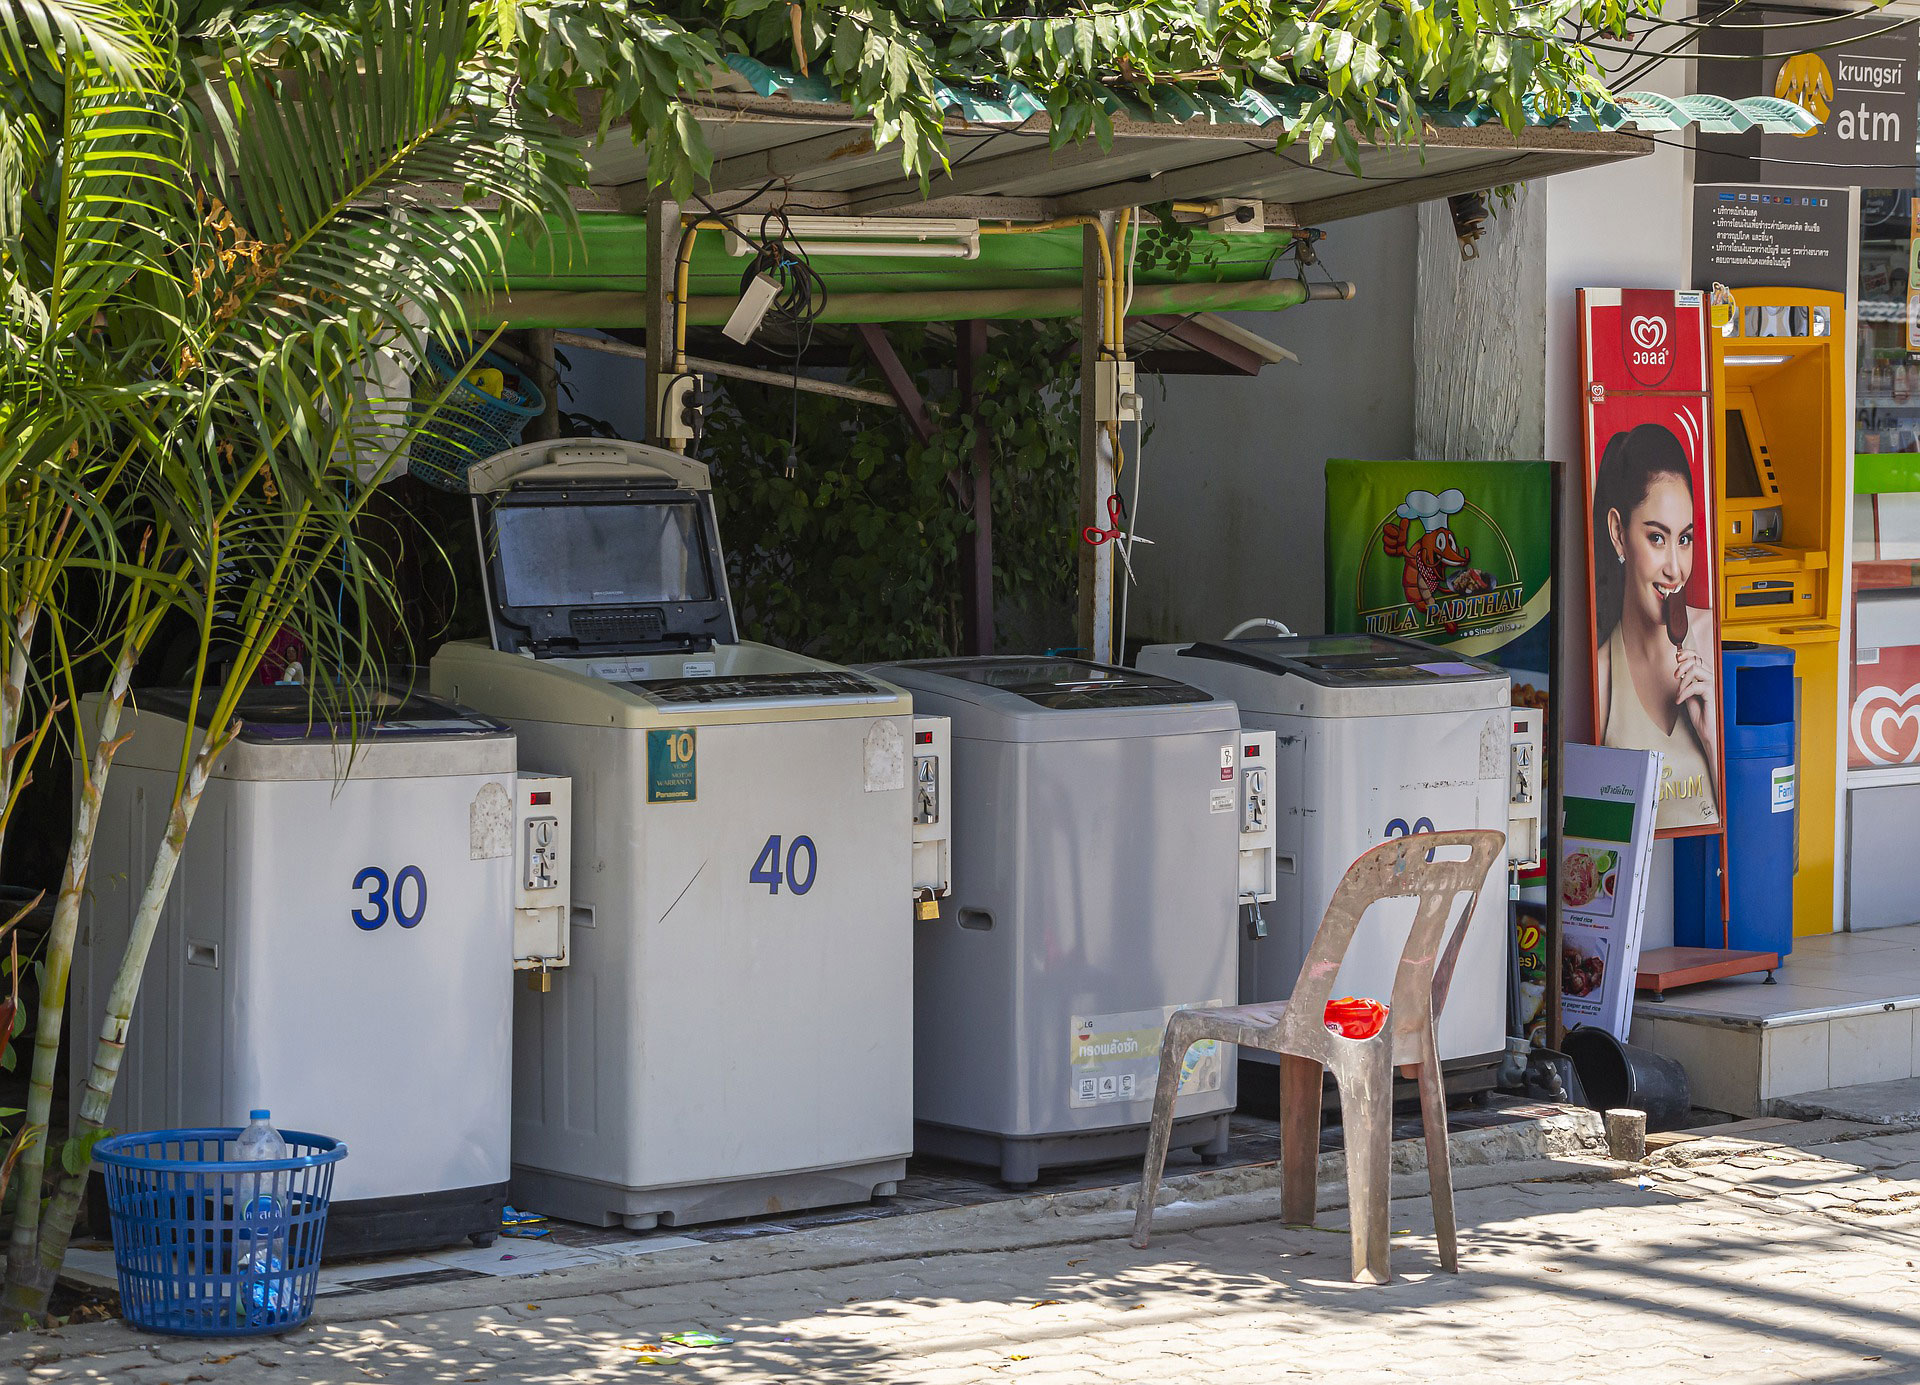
1060 223
690 228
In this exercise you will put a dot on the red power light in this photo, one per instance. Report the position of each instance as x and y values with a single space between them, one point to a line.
541 799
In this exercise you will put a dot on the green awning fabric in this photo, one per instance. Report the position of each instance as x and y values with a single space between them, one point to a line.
609 255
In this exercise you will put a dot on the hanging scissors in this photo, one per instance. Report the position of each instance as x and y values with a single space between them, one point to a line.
1118 536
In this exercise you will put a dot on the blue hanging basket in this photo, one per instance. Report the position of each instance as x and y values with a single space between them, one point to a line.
206 1245
471 425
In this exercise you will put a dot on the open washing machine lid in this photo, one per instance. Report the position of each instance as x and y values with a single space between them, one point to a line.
601 547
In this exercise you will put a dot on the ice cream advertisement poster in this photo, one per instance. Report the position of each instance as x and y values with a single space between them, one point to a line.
1606 858
1653 591
1450 553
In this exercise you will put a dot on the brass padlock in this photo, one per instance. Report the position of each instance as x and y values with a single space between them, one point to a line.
927 909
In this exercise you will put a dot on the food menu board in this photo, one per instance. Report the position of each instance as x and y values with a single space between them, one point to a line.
1607 854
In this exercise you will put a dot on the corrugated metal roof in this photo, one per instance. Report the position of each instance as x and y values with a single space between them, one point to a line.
782 139
1266 104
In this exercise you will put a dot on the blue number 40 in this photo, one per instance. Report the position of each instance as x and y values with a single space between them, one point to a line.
766 866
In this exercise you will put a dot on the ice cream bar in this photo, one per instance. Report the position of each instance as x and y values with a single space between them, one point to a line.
1677 617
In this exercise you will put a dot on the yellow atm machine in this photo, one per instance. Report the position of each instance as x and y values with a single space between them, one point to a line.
1779 375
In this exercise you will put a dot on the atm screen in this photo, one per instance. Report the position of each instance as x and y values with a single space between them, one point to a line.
1743 477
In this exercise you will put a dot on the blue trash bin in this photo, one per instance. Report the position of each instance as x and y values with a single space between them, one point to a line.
186 1216
1760 725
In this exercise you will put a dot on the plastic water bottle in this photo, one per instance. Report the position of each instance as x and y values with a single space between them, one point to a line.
263 1219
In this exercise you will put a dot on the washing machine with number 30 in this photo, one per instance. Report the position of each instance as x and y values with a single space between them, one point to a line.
337 947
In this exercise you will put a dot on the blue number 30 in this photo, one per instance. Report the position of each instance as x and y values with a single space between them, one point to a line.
382 898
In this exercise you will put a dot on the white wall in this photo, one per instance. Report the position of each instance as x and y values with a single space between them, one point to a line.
1233 491
1630 226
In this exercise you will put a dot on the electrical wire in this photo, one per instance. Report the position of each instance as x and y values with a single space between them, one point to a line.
802 292
1133 527
1908 166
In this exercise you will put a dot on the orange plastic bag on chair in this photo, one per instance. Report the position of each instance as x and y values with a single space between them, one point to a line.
1356 1017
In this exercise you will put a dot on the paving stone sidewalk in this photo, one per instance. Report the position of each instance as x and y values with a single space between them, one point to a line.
1784 1256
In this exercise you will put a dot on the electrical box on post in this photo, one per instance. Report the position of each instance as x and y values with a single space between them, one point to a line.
543 872
1116 400
1258 838
1526 755
679 407
931 788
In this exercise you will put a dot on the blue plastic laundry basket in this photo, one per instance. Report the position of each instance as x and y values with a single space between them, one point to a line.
182 1237
471 425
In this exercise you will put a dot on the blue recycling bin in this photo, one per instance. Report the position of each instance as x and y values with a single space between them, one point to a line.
1761 729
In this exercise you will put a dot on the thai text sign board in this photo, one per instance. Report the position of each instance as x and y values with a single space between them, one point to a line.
1651 519
1769 236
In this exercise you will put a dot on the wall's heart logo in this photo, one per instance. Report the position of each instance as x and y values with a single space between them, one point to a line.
1886 725
1648 332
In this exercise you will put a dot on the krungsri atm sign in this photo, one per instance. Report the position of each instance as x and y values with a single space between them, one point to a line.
1856 76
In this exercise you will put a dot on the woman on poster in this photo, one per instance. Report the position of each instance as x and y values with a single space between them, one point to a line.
1653 662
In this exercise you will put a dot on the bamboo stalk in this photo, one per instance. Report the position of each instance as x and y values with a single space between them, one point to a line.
111 1044
26 1293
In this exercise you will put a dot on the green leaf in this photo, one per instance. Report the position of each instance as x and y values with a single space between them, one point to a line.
76 1155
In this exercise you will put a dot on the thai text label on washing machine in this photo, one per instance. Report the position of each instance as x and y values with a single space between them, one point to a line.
1117 1057
670 765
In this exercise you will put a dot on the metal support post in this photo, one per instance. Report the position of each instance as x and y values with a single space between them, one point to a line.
1095 625
546 377
663 245
977 558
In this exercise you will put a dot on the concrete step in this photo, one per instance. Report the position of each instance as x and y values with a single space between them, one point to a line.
1895 1105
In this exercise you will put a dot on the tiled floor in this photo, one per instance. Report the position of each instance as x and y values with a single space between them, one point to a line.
936 1183
1842 1012
1824 975
930 1184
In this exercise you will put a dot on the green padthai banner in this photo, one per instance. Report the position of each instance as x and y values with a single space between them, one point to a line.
1452 553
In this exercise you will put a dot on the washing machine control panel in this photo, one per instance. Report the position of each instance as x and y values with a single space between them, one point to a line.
1525 754
543 884
1258 841
932 818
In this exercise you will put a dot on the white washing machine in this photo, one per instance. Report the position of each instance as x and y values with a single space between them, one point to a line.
1096 873
1376 737
337 948
733 1034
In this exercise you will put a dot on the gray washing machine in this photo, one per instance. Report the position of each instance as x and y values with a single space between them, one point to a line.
337 946
1095 891
1377 737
